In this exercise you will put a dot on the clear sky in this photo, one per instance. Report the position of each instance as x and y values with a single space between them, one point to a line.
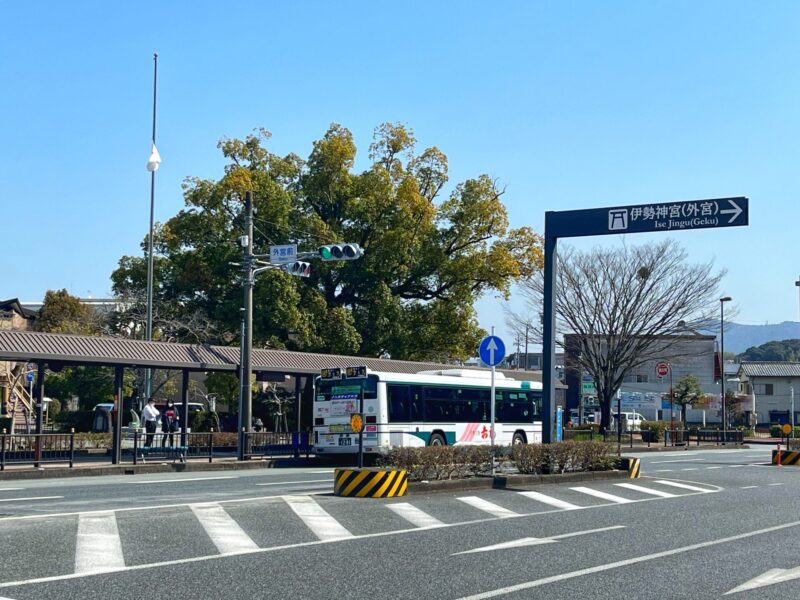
568 104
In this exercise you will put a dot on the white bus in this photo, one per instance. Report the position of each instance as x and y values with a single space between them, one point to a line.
430 408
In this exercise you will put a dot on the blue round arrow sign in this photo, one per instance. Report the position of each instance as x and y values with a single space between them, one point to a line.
492 350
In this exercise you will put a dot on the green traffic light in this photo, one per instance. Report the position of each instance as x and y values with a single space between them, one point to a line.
325 253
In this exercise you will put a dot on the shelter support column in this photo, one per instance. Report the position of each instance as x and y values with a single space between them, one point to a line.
184 407
116 415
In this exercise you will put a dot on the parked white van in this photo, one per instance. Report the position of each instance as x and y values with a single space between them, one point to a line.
631 421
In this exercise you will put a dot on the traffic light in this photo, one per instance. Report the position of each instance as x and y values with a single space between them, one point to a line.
340 252
298 268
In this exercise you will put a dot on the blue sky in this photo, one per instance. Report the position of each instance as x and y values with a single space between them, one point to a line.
568 104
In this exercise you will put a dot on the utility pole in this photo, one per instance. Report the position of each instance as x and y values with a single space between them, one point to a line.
246 367
527 363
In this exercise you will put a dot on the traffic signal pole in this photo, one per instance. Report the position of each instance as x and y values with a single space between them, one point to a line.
246 360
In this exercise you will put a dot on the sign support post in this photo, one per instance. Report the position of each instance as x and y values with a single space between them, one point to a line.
492 350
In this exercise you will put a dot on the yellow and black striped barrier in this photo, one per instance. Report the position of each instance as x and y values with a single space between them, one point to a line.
370 483
632 465
787 457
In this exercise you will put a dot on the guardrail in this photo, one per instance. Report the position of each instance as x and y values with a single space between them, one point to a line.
36 448
168 446
266 443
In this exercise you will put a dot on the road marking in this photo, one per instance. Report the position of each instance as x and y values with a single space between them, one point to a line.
663 471
690 469
748 487
10 490
296 482
663 462
32 498
735 466
224 531
683 486
323 471
489 507
603 495
98 547
709 468
771 577
198 559
549 500
644 490
771 484
414 515
536 541
145 481
324 526
621 563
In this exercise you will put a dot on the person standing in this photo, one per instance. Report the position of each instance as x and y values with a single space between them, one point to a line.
169 423
150 416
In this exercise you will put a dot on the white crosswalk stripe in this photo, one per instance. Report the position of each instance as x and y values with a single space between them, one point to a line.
549 500
323 525
683 486
603 495
645 490
98 547
488 507
413 515
226 533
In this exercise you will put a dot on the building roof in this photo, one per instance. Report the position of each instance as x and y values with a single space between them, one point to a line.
112 351
771 369
15 305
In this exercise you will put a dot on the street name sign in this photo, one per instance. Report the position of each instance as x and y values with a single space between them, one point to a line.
492 350
642 218
282 255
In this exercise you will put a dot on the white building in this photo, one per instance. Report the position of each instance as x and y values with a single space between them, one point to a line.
771 386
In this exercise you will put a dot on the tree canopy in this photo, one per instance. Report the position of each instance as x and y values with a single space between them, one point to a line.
411 295
687 391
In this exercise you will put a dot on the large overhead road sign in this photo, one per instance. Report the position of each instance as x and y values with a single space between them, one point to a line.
613 220
642 218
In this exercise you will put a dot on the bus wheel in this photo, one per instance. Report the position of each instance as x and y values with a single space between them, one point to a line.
437 439
519 438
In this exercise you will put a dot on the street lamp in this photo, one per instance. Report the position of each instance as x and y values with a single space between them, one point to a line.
722 302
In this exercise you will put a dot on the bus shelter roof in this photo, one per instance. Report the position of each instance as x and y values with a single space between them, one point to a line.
66 349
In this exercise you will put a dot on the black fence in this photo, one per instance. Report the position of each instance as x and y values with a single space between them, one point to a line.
260 444
36 448
715 436
170 446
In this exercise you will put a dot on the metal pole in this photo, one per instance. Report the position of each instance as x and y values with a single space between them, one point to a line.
791 389
671 399
246 394
148 385
116 457
491 429
722 368
548 338
184 421
361 432
619 420
298 397
39 411
527 364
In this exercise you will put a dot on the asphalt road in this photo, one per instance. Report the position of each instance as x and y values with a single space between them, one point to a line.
699 524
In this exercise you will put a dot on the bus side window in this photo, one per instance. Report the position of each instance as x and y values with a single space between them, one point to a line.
399 403
416 403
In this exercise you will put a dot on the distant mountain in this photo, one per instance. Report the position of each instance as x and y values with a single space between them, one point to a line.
739 338
780 350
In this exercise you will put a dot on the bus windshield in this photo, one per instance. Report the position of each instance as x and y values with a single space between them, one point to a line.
346 389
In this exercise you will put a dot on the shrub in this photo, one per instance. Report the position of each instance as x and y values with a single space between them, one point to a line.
434 463
532 459
92 440
656 429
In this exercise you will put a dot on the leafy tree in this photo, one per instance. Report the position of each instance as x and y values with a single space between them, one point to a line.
627 307
686 392
426 259
63 313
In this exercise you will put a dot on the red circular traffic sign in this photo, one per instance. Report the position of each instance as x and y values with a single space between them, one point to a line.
662 369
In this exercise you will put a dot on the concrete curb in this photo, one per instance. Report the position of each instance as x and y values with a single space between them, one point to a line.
509 481
155 467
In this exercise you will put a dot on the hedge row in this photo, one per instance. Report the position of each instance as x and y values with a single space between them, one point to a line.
434 463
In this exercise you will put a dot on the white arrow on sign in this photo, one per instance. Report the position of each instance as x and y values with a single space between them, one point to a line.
735 211
530 541
771 577
491 347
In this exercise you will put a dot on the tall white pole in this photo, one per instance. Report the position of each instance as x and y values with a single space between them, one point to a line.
148 381
491 430
791 389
